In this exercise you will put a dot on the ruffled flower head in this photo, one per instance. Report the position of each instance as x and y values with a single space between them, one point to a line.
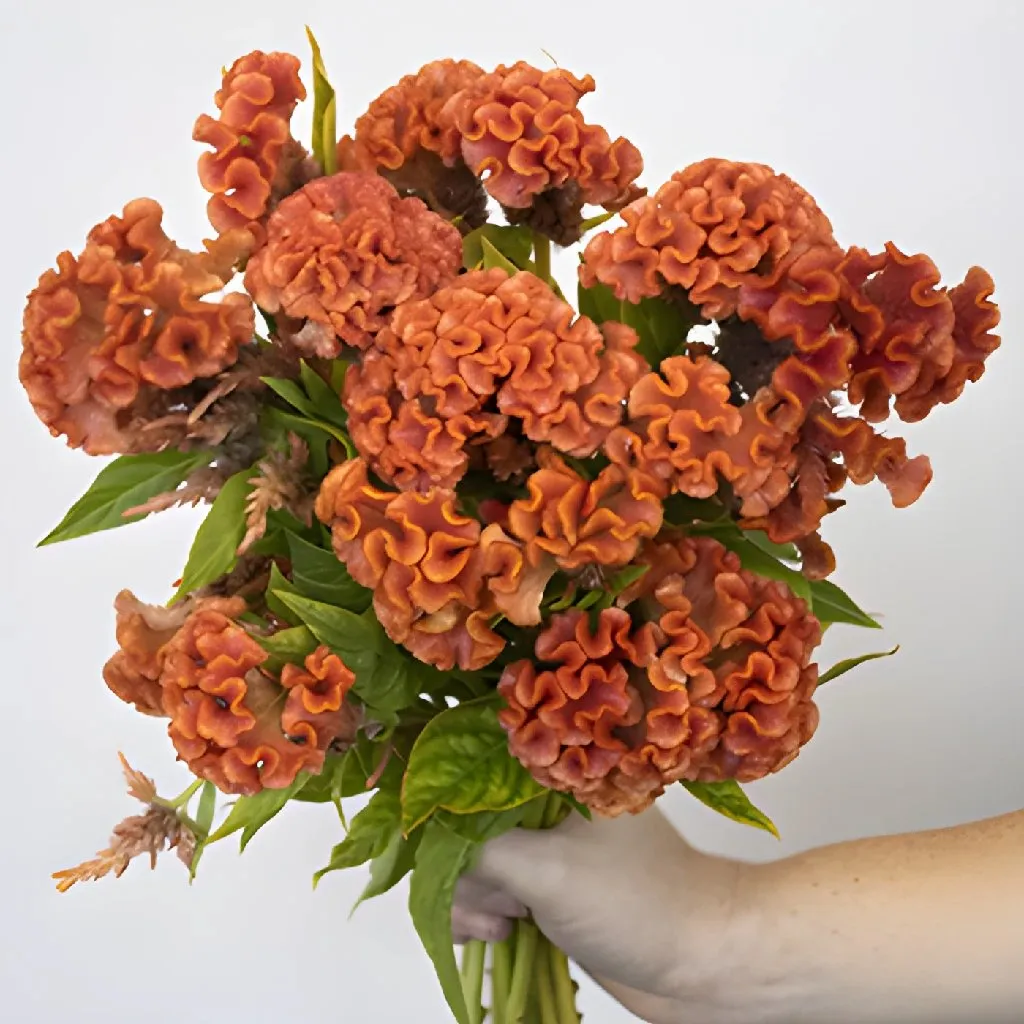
115 332
717 684
451 370
342 252
523 133
255 161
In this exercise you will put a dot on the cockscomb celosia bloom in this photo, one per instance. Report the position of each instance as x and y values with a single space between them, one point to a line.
255 160
125 319
712 228
342 252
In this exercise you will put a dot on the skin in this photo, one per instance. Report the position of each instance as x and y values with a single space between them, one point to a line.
924 928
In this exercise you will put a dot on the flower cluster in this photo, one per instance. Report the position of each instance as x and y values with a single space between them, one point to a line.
231 720
714 682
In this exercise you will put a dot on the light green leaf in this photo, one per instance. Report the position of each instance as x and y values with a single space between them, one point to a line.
326 402
440 860
842 667
207 807
729 800
251 813
493 258
514 243
371 831
625 578
596 221
323 97
330 136
318 574
125 483
461 763
830 604
214 550
387 870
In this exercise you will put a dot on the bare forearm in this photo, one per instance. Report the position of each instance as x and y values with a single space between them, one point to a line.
919 928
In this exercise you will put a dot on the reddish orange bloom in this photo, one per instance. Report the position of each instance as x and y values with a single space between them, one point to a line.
437 579
712 228
255 161
227 720
576 522
125 320
717 685
344 250
486 341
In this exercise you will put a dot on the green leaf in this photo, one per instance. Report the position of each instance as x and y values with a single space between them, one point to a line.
493 258
251 813
342 777
759 562
288 646
301 425
576 805
125 483
599 303
290 391
625 578
596 221
729 800
318 574
330 136
662 326
277 584
514 243
441 859
326 402
781 552
842 667
484 825
213 551
387 870
371 831
323 97
461 763
207 807
682 510
830 604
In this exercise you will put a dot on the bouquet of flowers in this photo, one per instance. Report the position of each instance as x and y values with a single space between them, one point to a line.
485 557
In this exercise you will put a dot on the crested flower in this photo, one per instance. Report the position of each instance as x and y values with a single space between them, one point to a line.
122 331
255 160
523 134
451 370
342 252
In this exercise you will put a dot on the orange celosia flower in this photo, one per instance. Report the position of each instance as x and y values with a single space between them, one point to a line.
126 319
718 684
255 161
712 228
523 133
575 523
437 578
344 250
227 720
453 367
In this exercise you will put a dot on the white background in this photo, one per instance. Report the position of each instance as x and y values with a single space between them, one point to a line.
902 118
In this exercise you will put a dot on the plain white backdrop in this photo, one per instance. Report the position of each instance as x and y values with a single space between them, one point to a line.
902 118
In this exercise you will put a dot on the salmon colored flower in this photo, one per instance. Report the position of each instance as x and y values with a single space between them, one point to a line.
255 160
342 252
126 320
712 228
523 133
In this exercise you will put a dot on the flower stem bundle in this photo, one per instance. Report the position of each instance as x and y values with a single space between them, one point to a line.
487 548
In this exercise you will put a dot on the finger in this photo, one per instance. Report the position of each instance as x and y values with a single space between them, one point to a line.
469 925
475 894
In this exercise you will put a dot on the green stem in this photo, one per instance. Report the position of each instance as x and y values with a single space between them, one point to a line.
182 799
542 255
548 1011
565 994
473 978
523 971
501 980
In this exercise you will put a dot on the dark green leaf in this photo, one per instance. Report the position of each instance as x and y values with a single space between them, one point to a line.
277 424
357 640
662 326
323 97
302 425
589 599
842 667
759 562
493 258
625 578
342 777
440 860
207 807
599 303
515 243
484 825
213 551
251 813
318 574
292 393
126 483
277 584
729 800
782 552
326 403
461 763
387 870
371 831
576 805
681 510
830 604
289 646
